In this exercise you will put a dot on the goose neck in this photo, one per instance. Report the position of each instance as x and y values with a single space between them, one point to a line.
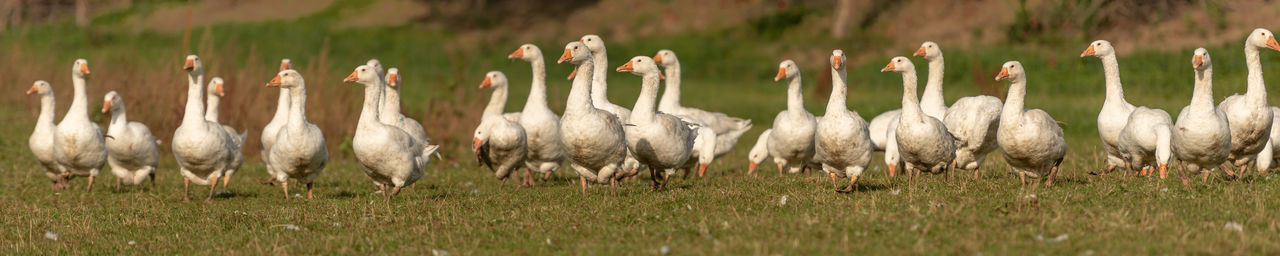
298 106
194 112
282 106
645 107
1014 101
1257 88
1202 95
933 95
79 101
910 104
671 96
538 90
599 75
795 100
580 93
372 96
497 102
839 91
119 120
47 105
212 103
1111 73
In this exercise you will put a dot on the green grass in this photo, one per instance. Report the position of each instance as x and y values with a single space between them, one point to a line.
459 207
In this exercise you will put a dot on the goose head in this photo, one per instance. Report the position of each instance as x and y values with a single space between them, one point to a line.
1011 70
929 50
375 64
393 77
40 87
363 74
286 79
1263 38
838 59
80 68
1098 48
495 79
215 87
641 66
112 102
665 57
787 69
526 52
193 65
575 53
758 154
1200 60
593 42
286 64
899 64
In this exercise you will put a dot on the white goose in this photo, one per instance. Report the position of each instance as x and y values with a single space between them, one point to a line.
727 129
1144 141
882 128
499 143
1202 135
1248 114
201 147
541 125
131 150
41 140
390 156
299 151
791 142
600 90
1115 110
972 120
923 141
658 140
268 137
842 140
78 143
593 138
1031 140
215 93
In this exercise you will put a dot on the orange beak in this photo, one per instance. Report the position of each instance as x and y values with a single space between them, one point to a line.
626 67
836 61
782 72
285 66
657 58
275 81
751 167
920 52
1197 61
106 105
893 170
34 89
567 56
475 144
1087 51
218 89
392 79
1164 170
486 83
190 65
354 76
1271 43
573 74
518 54
84 68
702 169
889 67
1004 73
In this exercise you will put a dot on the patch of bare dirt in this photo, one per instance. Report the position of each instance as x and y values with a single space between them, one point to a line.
386 13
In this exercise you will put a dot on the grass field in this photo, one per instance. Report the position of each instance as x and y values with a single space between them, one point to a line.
459 207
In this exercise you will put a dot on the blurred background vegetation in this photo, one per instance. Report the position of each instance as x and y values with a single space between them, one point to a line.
729 49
